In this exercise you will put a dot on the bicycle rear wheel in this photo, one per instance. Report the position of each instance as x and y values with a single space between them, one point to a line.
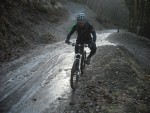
74 75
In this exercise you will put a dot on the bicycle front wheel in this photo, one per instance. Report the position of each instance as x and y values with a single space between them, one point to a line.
74 75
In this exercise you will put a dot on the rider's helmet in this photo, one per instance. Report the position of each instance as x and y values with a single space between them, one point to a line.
81 17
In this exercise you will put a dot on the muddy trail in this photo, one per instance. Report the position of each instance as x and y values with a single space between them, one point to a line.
116 81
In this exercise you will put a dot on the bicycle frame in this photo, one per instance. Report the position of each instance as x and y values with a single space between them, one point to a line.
77 68
80 53
78 56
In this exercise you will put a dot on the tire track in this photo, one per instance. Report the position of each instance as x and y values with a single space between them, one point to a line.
23 88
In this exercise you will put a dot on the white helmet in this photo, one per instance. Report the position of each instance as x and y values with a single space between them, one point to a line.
81 17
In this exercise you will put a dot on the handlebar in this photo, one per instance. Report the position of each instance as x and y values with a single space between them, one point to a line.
80 45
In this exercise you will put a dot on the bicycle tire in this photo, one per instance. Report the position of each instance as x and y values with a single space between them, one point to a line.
74 72
83 62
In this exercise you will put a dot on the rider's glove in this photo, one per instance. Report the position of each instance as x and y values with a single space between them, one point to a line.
67 42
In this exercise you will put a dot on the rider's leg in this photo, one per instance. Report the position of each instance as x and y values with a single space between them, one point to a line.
93 50
76 49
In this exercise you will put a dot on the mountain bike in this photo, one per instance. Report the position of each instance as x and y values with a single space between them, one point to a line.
78 65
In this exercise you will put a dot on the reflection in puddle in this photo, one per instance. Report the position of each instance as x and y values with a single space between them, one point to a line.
61 83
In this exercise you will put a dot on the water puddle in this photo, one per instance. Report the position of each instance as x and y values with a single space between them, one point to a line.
102 40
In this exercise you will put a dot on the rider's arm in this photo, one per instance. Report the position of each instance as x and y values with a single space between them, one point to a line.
71 32
94 35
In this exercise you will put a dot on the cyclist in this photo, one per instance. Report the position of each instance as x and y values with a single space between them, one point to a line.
84 30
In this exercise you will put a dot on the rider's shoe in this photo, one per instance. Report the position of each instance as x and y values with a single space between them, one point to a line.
88 60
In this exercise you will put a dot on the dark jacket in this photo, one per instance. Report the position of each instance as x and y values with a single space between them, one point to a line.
84 33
